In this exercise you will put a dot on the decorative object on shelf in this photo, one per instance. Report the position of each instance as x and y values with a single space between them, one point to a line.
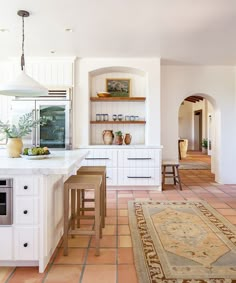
120 117
103 94
119 138
23 85
127 118
127 138
118 87
14 133
204 146
114 117
132 118
108 136
98 117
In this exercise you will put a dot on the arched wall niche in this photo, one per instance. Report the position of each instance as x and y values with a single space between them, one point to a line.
115 69
138 81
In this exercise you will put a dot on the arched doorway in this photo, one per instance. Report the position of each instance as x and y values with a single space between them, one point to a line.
196 132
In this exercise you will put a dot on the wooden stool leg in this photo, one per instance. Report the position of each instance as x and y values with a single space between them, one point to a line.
66 219
105 194
174 173
97 221
179 181
163 175
78 208
73 215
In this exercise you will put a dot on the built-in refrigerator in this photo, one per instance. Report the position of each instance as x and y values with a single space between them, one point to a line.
55 110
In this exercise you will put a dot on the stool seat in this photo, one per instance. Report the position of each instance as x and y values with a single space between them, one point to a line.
73 187
173 173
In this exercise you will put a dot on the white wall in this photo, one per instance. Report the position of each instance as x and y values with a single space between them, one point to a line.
185 122
216 83
149 66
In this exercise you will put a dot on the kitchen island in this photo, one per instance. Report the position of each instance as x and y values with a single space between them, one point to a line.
37 206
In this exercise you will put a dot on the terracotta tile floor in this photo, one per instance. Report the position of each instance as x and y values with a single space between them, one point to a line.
116 263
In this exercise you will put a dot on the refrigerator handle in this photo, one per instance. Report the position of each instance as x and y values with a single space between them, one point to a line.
37 129
33 139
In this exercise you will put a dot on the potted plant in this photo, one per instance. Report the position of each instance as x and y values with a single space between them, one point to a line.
204 145
15 132
119 138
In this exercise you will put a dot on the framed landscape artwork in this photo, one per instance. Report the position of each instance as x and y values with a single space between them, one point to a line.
118 87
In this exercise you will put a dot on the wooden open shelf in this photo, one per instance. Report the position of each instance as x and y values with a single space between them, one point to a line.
117 122
117 99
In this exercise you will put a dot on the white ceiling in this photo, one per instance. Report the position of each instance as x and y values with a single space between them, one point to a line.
178 31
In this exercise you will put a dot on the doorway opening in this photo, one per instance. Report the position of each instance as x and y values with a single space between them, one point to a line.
196 115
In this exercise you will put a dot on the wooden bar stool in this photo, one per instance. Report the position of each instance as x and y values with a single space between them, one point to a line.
173 173
73 187
94 170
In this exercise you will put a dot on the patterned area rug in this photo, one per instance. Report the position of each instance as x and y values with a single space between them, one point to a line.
182 242
188 165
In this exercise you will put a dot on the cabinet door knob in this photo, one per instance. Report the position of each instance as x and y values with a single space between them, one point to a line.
25 211
25 245
25 187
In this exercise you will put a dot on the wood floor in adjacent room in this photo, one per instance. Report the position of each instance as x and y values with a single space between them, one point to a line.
115 264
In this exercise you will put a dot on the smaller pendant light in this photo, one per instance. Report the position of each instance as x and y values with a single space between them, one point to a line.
23 85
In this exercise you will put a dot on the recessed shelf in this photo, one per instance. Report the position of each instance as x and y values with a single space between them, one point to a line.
115 99
117 122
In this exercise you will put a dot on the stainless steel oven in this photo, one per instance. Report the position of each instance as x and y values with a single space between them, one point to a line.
6 201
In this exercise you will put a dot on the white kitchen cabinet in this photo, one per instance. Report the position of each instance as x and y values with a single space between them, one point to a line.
127 165
26 245
6 248
138 176
103 157
26 211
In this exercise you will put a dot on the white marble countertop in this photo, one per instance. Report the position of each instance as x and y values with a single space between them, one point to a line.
58 162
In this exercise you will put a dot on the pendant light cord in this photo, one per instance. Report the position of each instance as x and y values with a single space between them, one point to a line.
23 41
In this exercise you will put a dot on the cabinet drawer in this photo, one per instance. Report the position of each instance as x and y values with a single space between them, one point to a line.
111 176
26 210
6 243
101 158
26 243
139 176
139 158
25 186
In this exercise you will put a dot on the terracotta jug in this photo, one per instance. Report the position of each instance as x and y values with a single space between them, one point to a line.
14 147
127 138
108 136
119 140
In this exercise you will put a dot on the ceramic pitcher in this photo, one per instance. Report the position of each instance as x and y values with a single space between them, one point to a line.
108 136
127 138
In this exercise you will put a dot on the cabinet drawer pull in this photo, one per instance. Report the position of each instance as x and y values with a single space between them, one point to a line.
139 158
25 245
97 158
139 177
25 187
25 211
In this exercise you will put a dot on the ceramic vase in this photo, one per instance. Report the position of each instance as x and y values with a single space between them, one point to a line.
107 136
127 139
14 147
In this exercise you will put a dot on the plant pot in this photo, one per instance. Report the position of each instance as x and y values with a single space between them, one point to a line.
204 150
14 147
119 140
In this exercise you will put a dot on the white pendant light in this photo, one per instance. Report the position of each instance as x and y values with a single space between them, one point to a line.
23 85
